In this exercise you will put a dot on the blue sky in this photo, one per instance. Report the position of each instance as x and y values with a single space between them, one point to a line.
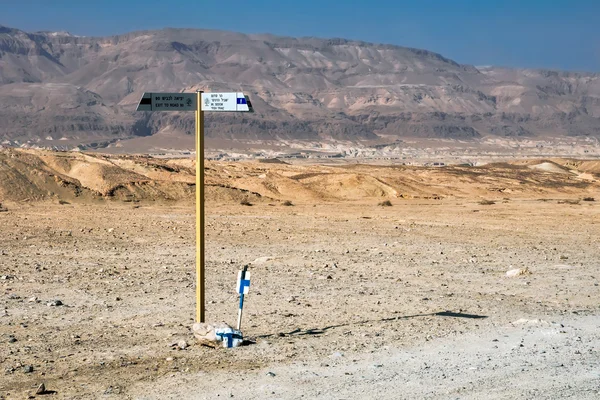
553 34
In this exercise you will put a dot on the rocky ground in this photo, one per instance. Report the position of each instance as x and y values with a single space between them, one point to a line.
349 299
534 359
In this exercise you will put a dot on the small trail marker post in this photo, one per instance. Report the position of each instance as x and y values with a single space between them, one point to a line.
199 102
243 286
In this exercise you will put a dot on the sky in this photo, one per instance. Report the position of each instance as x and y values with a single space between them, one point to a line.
553 34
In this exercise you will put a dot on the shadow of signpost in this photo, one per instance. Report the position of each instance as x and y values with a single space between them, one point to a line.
320 331
459 315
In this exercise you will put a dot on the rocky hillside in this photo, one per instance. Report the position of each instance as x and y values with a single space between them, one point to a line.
57 89
36 175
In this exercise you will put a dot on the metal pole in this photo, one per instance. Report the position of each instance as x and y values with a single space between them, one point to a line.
199 208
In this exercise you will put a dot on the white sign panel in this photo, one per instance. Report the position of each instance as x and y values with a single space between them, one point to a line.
167 102
235 101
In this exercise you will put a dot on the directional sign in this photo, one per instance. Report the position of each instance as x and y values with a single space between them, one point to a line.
167 102
225 102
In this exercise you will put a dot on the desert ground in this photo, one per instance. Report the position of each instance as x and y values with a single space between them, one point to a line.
350 299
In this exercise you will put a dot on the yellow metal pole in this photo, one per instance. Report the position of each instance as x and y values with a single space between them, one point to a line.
199 208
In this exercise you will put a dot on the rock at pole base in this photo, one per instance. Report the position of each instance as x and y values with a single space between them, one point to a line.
217 335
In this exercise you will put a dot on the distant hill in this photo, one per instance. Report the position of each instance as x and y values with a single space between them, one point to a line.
42 175
61 90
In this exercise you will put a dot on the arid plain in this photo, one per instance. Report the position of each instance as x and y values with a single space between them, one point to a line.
350 298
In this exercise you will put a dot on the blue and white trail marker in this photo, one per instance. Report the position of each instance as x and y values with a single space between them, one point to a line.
243 286
229 337
236 101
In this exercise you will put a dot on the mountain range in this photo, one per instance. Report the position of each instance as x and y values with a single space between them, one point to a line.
60 90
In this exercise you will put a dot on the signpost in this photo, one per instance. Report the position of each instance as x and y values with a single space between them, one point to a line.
199 102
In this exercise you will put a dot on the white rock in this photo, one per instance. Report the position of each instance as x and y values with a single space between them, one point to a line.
211 334
261 260
518 272
182 344
530 322
205 333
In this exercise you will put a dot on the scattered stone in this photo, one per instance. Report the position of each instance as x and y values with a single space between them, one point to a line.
337 354
518 272
113 390
28 369
271 374
169 359
54 303
41 389
182 345
32 299
111 230
12 339
564 257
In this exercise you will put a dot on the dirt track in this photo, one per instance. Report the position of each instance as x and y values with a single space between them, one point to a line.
332 283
